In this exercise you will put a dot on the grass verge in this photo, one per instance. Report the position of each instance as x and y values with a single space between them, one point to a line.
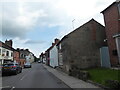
100 75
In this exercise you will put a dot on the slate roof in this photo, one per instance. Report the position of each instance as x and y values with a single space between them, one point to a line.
6 46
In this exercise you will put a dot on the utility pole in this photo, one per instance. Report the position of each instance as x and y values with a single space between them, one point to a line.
73 23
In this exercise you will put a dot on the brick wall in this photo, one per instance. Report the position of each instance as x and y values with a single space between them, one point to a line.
16 56
81 48
112 25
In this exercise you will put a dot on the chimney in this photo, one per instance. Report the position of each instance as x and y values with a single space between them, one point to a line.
18 49
9 43
27 49
22 49
56 40
53 44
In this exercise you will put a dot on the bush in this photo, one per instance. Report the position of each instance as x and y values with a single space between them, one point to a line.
114 84
84 75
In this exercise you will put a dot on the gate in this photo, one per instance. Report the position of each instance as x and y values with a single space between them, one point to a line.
105 58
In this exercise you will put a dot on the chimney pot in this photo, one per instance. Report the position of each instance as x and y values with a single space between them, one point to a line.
9 42
56 40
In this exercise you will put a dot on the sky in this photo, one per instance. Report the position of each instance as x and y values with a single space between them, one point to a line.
34 24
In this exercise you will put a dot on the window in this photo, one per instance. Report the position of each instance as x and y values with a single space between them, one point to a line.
0 51
21 55
7 53
119 8
11 54
114 52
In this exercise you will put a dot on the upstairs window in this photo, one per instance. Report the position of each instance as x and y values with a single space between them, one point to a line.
22 55
119 8
0 51
11 54
7 53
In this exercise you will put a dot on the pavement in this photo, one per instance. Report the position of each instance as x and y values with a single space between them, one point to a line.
72 82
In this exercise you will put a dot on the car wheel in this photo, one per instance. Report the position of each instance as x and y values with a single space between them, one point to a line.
21 71
16 72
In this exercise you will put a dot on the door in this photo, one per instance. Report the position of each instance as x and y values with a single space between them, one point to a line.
105 58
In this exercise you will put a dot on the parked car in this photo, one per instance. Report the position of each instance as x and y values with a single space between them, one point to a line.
11 68
27 65
39 61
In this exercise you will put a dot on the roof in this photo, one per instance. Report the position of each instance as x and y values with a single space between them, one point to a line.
6 46
116 2
52 46
66 36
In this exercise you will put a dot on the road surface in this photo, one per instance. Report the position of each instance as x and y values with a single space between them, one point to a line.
35 77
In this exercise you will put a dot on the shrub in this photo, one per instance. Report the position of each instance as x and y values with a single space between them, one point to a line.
84 75
114 84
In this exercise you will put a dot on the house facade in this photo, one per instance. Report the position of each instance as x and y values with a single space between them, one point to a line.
60 56
54 54
47 55
43 57
112 28
81 48
24 53
6 52
16 56
30 58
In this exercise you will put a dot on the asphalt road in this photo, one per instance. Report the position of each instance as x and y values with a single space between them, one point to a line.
35 77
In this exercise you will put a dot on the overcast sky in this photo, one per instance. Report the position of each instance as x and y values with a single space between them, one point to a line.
34 24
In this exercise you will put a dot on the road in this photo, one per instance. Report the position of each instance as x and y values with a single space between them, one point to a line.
35 77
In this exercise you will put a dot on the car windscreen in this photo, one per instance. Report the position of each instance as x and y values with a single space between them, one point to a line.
8 65
27 64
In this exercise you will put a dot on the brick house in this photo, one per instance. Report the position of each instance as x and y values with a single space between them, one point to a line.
16 56
81 48
23 54
112 28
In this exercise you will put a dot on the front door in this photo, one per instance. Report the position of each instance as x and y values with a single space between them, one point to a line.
105 58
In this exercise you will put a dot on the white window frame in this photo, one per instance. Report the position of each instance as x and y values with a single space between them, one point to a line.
119 8
0 51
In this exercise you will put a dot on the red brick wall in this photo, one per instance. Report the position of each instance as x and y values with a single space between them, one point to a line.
16 56
22 62
112 23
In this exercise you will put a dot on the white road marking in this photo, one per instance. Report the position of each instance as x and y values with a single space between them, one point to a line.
12 88
24 76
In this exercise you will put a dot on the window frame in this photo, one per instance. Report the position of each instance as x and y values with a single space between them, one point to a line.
11 54
119 9
0 51
7 53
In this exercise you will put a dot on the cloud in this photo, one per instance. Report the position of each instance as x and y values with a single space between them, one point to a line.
34 42
34 46
17 19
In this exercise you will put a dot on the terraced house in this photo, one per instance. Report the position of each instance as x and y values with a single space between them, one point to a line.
6 51
112 28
